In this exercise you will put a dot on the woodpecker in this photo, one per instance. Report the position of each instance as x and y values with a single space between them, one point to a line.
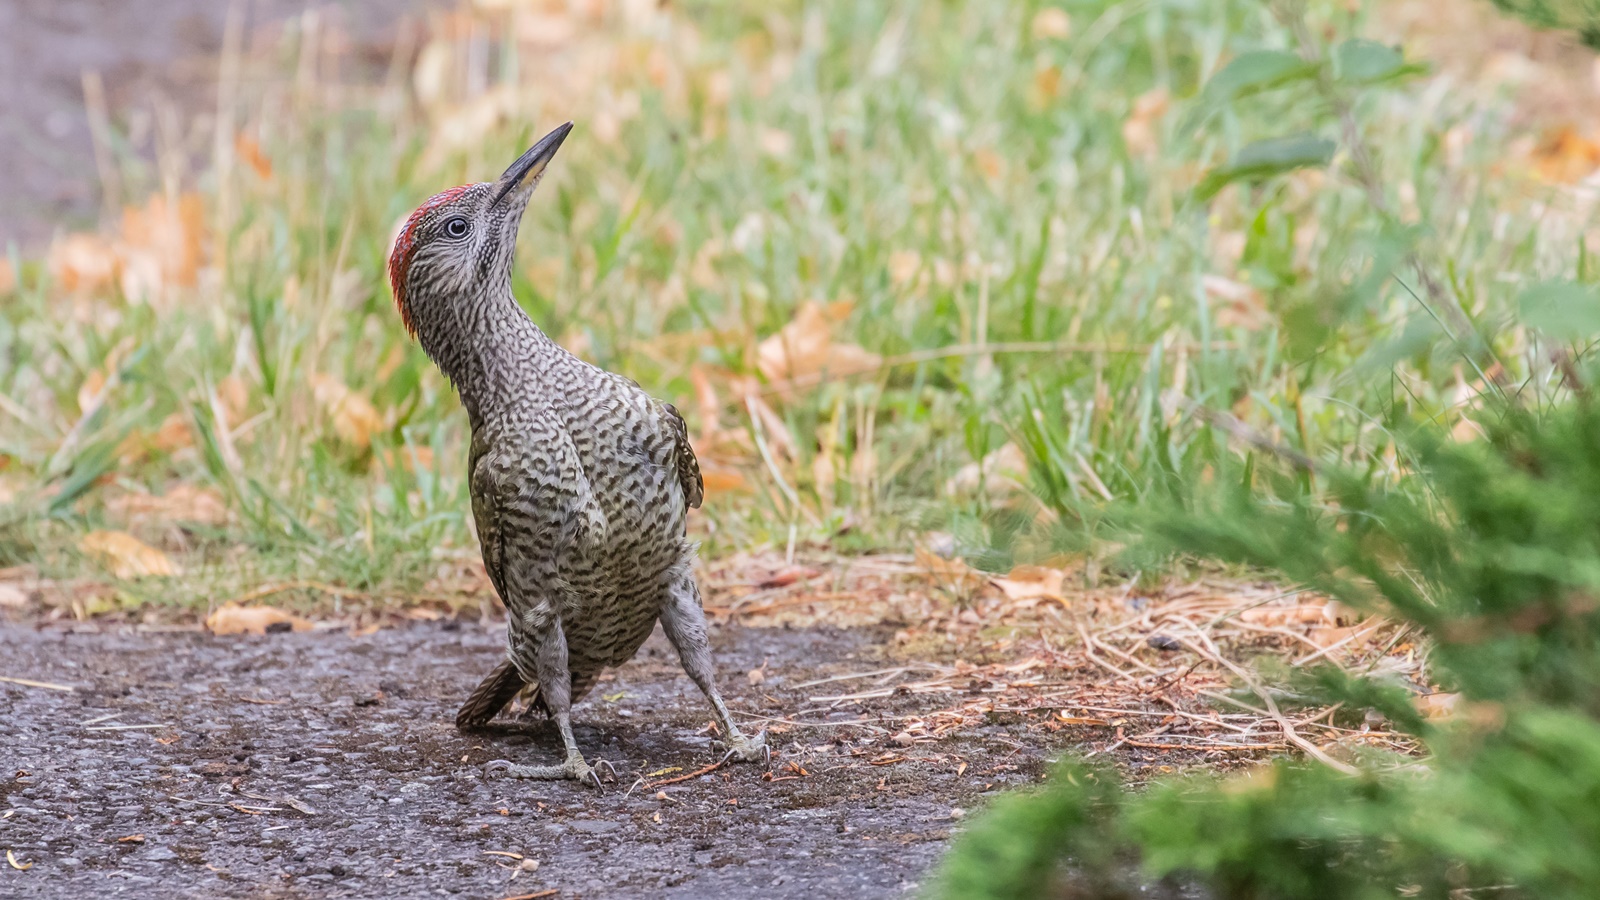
581 482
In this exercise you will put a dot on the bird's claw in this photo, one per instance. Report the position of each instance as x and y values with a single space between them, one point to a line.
746 749
606 764
574 769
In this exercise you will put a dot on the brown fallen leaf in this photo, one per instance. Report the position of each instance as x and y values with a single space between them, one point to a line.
1239 305
1564 156
353 416
82 263
125 556
12 596
1139 130
181 503
1001 472
1032 583
787 576
805 347
721 480
1437 705
246 148
131 839
952 573
1051 23
1303 614
161 246
232 618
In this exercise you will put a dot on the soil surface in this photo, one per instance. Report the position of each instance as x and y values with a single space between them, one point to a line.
321 764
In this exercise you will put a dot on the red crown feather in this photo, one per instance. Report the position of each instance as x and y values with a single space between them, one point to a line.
406 245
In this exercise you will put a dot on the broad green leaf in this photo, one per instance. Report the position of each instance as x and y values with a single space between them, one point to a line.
1265 158
1564 310
1258 70
1365 62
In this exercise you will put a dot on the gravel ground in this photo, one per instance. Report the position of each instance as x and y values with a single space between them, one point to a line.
321 764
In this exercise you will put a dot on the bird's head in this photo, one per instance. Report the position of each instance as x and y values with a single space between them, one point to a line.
458 246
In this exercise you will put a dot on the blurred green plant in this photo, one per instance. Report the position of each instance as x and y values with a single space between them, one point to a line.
1491 553
1582 17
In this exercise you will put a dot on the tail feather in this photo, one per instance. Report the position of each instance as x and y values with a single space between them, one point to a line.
491 696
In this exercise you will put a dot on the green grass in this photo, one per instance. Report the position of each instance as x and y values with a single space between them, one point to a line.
958 176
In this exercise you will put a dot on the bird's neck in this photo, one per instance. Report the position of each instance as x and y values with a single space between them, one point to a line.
491 351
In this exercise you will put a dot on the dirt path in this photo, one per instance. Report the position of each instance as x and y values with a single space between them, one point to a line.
369 791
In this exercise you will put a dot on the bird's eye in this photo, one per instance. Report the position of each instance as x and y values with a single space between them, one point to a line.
456 228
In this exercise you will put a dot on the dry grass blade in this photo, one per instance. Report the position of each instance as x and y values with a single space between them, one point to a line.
47 685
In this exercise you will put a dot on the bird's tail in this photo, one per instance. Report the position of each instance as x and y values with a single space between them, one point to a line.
490 697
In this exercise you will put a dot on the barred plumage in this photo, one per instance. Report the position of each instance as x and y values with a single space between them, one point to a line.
581 482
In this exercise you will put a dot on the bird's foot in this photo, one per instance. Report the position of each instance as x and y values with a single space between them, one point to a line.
746 749
574 768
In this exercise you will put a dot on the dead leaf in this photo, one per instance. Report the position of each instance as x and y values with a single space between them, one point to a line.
231 618
1437 705
82 263
1002 471
1466 431
1052 23
246 148
12 596
354 418
161 245
775 142
1279 616
412 459
1046 86
19 866
1031 583
904 266
1566 157
89 391
1139 131
805 347
951 573
131 839
787 576
181 503
1239 305
720 480
235 397
989 164
125 556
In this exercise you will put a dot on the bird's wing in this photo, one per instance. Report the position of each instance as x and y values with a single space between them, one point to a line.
537 517
694 488
485 508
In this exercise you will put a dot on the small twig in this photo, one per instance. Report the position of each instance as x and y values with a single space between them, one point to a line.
1242 432
1088 650
695 774
127 727
1272 711
47 685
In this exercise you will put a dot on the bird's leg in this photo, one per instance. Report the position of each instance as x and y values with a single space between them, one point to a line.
555 687
685 624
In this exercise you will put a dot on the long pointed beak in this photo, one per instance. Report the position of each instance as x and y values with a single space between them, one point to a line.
530 166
